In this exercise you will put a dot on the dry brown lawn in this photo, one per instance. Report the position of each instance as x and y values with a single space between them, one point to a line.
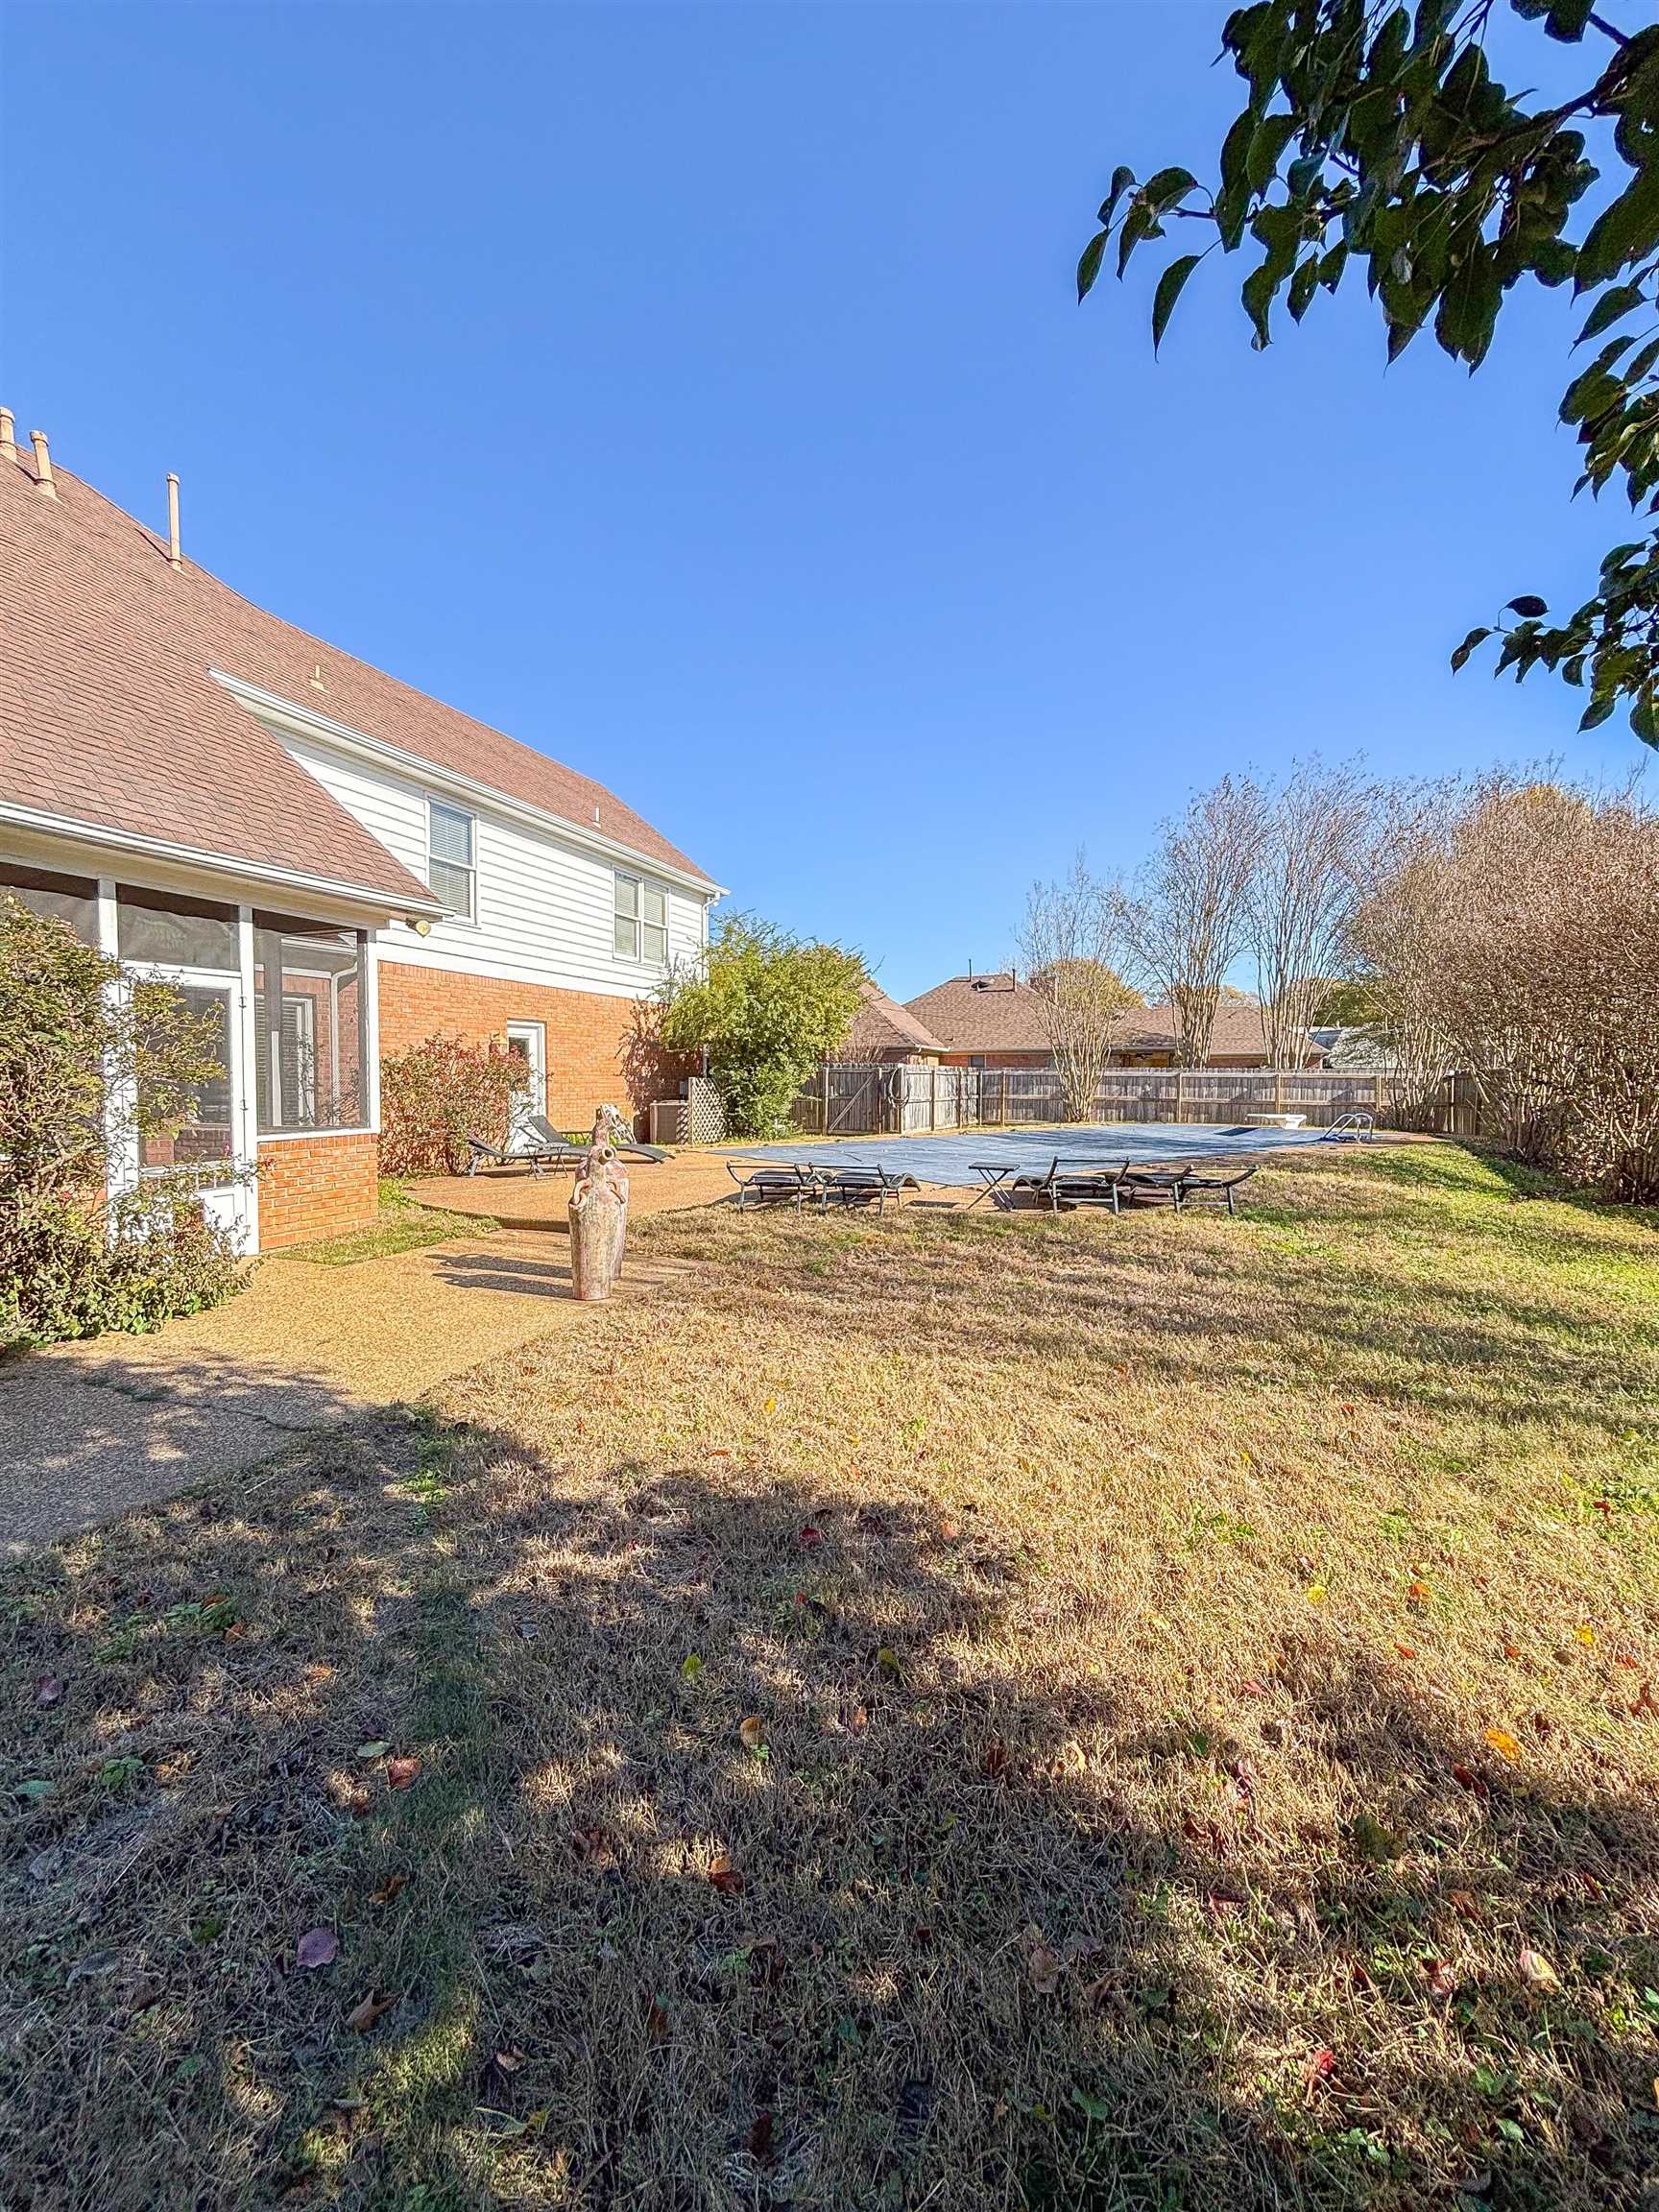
949 1711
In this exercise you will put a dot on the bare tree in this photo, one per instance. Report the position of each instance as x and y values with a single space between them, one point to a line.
1316 841
1517 941
1183 919
1070 948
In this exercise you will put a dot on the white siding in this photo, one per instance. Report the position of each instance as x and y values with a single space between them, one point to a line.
545 906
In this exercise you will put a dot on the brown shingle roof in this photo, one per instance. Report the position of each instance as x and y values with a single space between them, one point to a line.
999 1014
109 714
983 1013
881 1025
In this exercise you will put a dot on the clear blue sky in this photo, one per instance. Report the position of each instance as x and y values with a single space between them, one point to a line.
698 394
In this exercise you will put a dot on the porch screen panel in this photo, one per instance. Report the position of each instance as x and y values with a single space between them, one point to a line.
70 899
206 1134
310 1025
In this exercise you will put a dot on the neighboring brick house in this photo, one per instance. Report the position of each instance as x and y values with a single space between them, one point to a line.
884 1030
997 1022
332 864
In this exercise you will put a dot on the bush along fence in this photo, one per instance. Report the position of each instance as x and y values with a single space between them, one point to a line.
848 1098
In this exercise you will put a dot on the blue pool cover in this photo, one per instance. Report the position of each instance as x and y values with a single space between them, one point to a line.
951 1159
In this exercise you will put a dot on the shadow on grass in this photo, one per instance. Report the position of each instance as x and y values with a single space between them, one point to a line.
946 1928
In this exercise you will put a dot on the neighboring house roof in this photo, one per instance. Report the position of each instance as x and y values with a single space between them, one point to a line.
999 1014
883 1026
1356 1051
982 1014
110 715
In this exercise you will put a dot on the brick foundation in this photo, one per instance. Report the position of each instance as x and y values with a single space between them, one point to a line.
312 1187
598 1051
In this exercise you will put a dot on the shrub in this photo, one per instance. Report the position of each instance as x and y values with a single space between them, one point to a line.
91 1062
766 1008
436 1095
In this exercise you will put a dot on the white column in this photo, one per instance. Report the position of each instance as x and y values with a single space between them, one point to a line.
120 1101
245 1106
371 1030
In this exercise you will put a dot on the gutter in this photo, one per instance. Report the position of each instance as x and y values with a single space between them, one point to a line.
387 901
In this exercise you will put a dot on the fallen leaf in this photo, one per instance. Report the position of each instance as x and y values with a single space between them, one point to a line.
1041 1964
1407 1651
1372 1839
888 1660
760 2138
1318 2067
770 1406
1644 1701
375 1751
48 1690
365 2015
317 1947
950 1530
597 1845
400 1773
1502 1741
994 1759
357 1803
510 2059
1463 1902
691 1666
1511 1651
388 1888
1441 1980
752 1731
1316 1592
1466 1778
1419 1593
1251 1688
1585 1634
1537 1972
724 1876
656 2022
810 1537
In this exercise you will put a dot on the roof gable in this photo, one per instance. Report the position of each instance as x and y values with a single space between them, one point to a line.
110 715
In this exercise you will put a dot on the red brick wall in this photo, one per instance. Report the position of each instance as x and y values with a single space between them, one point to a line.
598 1053
312 1187
999 1059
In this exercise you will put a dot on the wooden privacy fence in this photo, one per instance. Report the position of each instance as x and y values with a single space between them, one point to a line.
857 1098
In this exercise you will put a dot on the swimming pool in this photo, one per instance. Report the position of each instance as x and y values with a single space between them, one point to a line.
951 1159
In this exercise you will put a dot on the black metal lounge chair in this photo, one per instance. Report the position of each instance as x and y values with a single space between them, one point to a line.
525 1147
1209 1189
1061 1191
861 1185
627 1147
774 1185
1152 1187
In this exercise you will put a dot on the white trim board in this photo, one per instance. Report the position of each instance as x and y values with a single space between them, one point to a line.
322 729
105 839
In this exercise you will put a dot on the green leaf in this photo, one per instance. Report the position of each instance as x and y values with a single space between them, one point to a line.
1566 19
1122 178
1089 265
1528 607
1622 233
1597 712
1257 293
1476 636
1645 716
1162 191
1168 291
1303 286
1268 141
1608 309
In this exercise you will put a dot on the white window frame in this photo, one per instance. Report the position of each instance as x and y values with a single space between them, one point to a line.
469 917
644 886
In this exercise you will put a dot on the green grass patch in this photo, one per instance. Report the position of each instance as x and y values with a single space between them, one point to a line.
402 1225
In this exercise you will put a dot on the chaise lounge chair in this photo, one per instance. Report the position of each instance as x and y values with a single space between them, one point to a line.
774 1185
533 1143
1209 1189
859 1185
1061 1190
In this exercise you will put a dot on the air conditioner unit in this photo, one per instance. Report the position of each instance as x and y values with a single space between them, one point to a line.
668 1122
